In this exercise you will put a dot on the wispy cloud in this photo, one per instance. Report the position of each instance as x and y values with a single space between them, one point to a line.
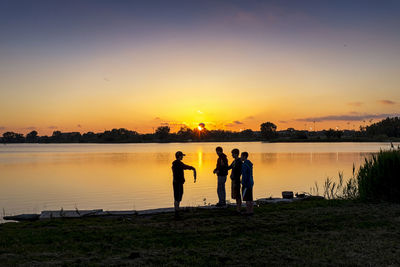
249 118
234 123
386 102
355 104
2 127
79 126
283 121
52 127
157 118
349 117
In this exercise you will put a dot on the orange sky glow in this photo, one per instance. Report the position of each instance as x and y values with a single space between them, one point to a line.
231 68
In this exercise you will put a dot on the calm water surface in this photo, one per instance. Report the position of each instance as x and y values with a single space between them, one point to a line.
35 177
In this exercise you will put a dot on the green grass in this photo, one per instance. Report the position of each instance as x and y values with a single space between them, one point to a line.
334 232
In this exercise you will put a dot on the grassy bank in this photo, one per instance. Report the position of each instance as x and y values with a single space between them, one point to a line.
305 233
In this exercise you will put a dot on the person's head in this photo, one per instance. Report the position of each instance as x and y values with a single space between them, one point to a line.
235 153
179 155
244 156
219 150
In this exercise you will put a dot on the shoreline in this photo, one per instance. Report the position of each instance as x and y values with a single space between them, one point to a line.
229 141
100 213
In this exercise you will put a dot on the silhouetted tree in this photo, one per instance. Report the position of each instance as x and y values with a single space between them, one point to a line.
11 137
300 134
389 127
204 134
74 137
56 137
268 130
333 134
329 133
247 134
338 134
32 137
89 137
162 132
121 135
185 133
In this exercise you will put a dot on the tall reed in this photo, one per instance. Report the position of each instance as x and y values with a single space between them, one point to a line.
379 178
340 189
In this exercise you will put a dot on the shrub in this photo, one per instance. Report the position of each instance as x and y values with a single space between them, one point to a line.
379 178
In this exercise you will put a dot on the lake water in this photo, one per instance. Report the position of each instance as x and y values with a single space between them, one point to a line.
35 177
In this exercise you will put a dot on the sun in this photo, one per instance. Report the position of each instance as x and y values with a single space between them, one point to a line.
201 126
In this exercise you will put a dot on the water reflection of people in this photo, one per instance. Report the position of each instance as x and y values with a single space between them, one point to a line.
247 183
236 167
222 172
178 168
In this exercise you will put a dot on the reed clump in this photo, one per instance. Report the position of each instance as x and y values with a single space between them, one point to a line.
339 189
379 178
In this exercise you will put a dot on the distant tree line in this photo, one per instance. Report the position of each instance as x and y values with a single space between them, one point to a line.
162 134
387 128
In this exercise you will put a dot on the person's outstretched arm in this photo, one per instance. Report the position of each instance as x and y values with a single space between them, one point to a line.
188 167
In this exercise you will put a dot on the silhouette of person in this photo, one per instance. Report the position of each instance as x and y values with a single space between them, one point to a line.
236 173
222 172
247 183
178 168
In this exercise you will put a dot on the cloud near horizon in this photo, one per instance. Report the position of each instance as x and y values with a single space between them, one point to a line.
52 127
234 123
356 104
386 102
352 117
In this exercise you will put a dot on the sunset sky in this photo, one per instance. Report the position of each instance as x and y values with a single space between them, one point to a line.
97 65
